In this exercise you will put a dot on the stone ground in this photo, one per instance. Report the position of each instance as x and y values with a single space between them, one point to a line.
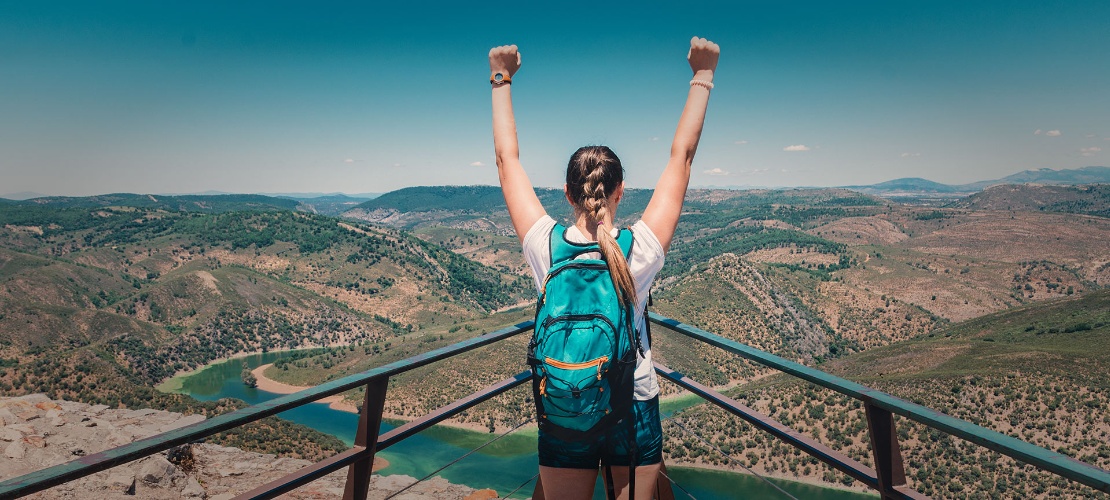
37 432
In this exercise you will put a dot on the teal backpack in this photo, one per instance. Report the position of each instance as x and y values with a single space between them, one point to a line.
583 348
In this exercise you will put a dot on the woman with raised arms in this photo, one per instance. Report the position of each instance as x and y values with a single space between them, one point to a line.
594 187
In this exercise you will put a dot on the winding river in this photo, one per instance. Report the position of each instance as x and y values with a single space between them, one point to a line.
504 465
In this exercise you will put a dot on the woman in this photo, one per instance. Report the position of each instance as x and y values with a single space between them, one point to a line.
594 186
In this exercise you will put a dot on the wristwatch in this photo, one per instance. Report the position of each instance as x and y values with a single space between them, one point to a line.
500 78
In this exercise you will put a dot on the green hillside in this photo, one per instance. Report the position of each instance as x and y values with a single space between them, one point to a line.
99 303
1037 372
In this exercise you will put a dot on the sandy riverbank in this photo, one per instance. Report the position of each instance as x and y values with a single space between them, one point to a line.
339 403
173 384
270 385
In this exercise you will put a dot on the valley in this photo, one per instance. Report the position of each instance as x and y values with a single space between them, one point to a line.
103 298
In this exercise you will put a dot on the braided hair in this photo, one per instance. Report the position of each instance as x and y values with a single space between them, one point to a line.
593 173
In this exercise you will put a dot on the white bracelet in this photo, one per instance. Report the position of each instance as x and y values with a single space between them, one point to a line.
703 83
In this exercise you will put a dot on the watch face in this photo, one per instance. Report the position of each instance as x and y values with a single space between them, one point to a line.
498 77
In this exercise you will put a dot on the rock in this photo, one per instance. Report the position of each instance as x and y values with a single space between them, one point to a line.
157 470
34 399
36 441
48 406
192 488
7 416
9 434
15 450
97 408
222 496
121 479
23 429
181 422
145 412
486 494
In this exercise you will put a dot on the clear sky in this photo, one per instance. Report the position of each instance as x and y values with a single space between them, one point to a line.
276 96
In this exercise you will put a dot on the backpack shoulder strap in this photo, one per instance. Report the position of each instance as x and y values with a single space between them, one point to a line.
563 249
625 239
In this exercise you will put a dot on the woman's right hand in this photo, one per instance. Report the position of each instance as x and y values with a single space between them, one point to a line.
703 57
504 59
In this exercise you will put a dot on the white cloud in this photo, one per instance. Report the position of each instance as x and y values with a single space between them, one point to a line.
1037 132
716 171
654 139
740 142
477 164
349 160
1053 133
1090 136
796 147
1090 151
396 165
910 155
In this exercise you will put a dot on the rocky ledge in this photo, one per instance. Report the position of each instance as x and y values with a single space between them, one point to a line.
37 432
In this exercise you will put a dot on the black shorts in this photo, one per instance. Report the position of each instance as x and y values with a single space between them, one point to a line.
614 448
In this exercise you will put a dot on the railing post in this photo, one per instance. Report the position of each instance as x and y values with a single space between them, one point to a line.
884 448
369 426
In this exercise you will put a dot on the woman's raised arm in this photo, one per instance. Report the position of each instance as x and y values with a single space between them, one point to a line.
524 206
662 212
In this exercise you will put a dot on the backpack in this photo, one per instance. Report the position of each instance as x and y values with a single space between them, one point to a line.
584 344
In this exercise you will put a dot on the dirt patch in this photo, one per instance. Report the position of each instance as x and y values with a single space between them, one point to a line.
791 256
24 229
209 281
862 230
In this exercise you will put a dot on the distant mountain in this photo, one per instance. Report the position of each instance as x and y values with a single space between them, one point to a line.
915 186
333 204
907 184
22 195
183 203
310 196
1085 175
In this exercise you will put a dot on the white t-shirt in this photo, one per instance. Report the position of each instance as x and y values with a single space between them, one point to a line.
646 260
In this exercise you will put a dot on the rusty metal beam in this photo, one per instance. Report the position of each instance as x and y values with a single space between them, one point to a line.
369 426
891 472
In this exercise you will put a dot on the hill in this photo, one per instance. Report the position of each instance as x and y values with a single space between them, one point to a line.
1087 200
98 304
1012 371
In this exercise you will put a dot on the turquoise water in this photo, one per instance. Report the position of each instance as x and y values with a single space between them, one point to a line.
503 466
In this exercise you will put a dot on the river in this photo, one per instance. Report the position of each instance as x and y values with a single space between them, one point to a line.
503 466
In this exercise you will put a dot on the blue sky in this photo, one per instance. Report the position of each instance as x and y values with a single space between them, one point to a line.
176 97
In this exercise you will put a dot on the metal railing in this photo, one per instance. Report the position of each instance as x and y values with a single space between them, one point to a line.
888 477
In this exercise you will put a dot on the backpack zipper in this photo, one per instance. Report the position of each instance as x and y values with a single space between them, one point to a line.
572 265
578 366
578 317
